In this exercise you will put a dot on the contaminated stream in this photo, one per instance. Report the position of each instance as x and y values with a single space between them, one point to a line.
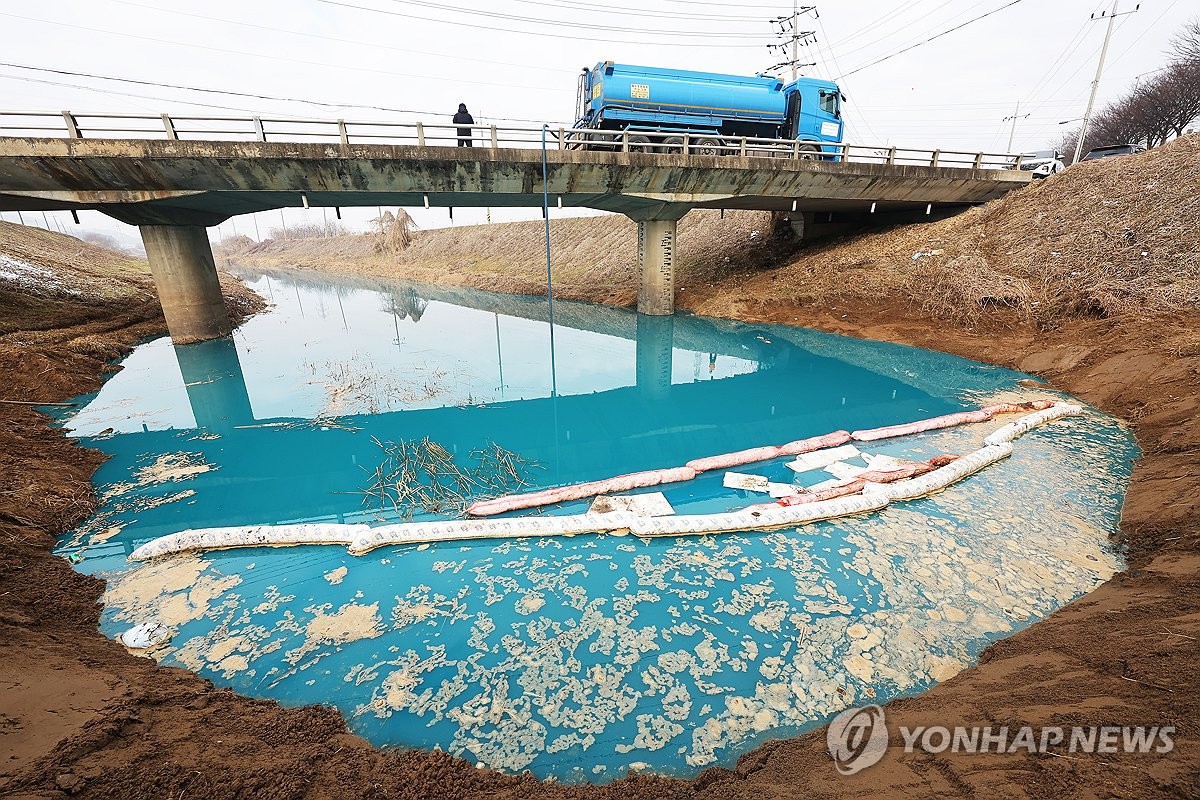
577 658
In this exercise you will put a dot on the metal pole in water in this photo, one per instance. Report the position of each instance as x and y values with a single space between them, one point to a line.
550 297
549 271
499 353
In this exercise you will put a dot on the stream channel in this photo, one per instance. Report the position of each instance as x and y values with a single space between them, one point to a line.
575 658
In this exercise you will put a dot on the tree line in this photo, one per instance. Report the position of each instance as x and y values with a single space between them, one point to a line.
1164 105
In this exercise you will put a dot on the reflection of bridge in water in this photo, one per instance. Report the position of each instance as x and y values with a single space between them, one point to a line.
285 469
924 370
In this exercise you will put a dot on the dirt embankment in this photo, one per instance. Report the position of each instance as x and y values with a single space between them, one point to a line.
1087 280
594 258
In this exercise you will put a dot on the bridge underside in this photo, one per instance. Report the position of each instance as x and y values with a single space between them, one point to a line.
171 188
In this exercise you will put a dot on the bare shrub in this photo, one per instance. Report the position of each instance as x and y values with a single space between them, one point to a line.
111 243
234 244
309 231
395 231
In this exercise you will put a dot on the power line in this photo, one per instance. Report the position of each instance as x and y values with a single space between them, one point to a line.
774 6
355 42
1086 62
880 21
527 33
932 38
212 91
271 57
1061 61
1150 27
116 93
565 23
628 11
833 59
894 31
230 93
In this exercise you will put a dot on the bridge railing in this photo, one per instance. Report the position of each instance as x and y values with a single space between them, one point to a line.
80 125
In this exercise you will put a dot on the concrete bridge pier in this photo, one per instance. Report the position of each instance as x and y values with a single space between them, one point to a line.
657 233
185 274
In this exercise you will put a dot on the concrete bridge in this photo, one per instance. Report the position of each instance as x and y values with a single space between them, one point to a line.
173 188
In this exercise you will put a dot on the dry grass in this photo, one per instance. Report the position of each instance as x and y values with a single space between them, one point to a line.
1112 238
594 258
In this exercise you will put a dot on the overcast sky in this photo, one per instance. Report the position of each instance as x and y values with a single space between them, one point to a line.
516 60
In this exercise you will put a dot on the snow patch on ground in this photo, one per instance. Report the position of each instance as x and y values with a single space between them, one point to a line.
30 276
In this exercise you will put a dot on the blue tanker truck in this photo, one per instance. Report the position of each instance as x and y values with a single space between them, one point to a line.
714 110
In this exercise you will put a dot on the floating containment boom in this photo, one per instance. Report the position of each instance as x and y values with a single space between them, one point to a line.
870 491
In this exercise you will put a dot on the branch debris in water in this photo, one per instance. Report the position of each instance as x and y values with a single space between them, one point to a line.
423 476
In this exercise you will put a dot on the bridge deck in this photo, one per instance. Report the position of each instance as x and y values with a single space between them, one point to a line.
203 182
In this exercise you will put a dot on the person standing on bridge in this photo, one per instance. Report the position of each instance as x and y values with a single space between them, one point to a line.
463 117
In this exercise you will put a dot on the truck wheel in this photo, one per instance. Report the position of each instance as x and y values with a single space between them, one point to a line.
599 141
672 144
707 147
640 144
809 152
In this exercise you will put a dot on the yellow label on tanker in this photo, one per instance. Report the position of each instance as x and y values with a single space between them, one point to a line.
639 91
597 90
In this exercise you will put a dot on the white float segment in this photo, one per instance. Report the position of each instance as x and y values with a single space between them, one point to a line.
513 527
248 536
942 477
747 520
1006 433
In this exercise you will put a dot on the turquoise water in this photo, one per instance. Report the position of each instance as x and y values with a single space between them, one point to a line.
577 658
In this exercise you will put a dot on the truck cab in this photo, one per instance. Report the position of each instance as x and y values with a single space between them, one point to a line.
814 111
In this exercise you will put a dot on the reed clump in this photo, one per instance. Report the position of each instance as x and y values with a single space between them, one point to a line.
422 476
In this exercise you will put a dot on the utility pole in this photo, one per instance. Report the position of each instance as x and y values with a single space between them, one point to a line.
791 46
1087 117
1013 131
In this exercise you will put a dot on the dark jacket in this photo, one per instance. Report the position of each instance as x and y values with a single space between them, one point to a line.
463 117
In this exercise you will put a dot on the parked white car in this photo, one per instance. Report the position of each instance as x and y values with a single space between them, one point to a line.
1043 163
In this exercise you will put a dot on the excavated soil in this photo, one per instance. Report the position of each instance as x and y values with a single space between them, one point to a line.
1084 280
